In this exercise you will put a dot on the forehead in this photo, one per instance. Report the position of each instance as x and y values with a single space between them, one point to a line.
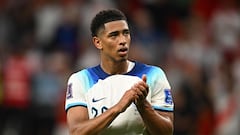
115 26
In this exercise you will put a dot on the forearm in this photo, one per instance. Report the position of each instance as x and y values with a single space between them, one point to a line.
156 123
96 125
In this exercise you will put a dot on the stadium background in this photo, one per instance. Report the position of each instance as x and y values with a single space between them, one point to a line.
196 42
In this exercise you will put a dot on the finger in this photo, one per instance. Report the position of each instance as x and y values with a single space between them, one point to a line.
143 86
140 97
144 78
143 90
135 92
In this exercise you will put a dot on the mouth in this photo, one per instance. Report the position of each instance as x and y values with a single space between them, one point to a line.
123 51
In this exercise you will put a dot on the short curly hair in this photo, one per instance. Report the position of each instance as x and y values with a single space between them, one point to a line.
103 17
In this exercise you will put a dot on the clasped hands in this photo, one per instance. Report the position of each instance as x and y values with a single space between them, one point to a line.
141 91
136 94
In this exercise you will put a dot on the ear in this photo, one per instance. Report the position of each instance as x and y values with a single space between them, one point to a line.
97 43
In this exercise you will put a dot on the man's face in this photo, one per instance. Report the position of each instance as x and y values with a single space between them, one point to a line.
114 41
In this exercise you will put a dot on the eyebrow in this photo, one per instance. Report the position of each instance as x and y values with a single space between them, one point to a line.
113 33
117 32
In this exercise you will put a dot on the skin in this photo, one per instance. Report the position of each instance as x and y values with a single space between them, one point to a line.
110 41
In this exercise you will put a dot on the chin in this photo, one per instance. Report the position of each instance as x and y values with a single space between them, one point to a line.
122 59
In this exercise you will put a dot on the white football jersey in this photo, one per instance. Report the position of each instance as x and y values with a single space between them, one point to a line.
98 91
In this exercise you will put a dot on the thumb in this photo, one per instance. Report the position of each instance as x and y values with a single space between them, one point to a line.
144 78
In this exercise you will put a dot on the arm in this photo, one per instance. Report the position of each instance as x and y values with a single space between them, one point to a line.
80 124
157 122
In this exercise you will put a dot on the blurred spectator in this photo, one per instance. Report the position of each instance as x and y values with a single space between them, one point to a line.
225 25
225 29
48 87
88 8
191 42
147 37
17 91
225 100
88 58
20 23
47 17
187 60
67 35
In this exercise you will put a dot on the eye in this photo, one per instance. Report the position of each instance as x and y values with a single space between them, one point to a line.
126 32
113 34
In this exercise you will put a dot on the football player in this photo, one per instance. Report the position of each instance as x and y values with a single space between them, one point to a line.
118 96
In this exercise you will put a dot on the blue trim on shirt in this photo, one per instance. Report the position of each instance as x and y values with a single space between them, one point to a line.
75 104
163 108
138 70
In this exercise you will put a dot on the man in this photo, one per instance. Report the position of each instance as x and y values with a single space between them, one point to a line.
118 96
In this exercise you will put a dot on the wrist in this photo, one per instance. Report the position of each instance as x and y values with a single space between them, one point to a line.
142 105
118 108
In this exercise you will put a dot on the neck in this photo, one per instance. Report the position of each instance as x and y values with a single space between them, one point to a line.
115 67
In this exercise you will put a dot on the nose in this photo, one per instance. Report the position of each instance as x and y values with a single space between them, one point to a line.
122 39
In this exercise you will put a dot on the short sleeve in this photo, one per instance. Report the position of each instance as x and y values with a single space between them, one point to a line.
75 92
161 95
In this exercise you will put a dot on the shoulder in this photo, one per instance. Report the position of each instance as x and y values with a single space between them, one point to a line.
81 80
79 74
150 69
84 73
82 76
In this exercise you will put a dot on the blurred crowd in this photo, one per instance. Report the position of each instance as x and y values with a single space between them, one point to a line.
196 42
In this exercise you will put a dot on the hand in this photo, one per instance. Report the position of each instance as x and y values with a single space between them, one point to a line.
126 100
136 94
141 90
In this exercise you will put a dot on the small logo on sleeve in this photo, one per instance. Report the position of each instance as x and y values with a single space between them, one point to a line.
168 96
69 91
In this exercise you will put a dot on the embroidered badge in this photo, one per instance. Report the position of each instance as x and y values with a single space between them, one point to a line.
69 91
168 96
